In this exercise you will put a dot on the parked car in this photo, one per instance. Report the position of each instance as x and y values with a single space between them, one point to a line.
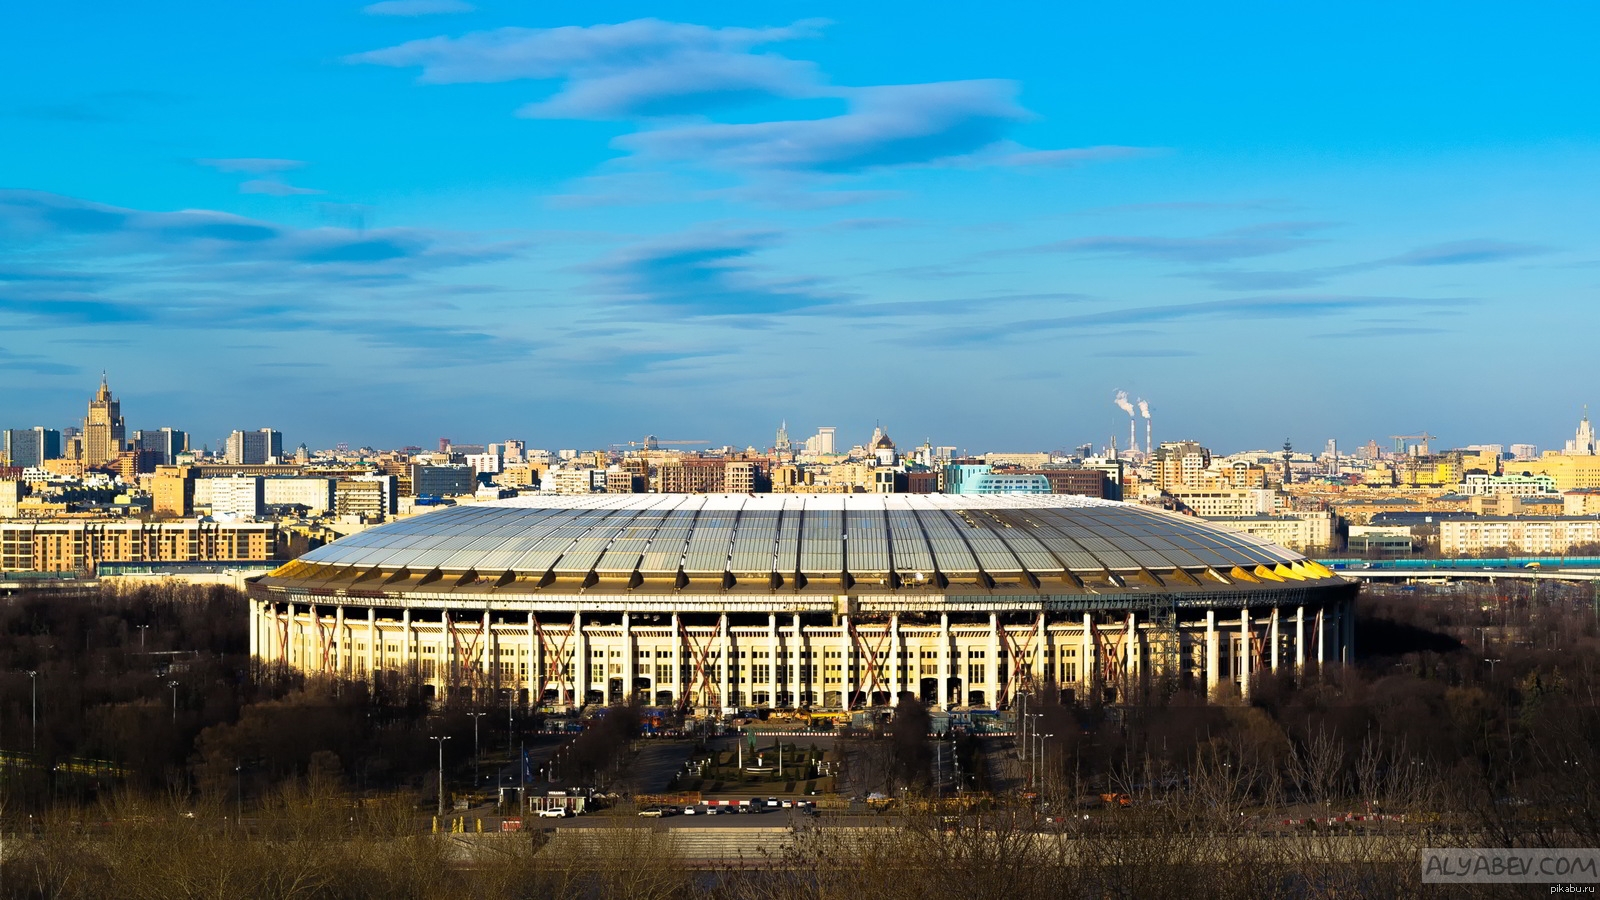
554 812
691 810
653 812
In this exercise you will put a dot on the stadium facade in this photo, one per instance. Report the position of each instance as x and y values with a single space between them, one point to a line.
716 602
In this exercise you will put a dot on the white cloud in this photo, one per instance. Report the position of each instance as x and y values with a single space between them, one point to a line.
417 7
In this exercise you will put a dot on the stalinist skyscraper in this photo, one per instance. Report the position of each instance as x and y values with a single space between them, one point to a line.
104 435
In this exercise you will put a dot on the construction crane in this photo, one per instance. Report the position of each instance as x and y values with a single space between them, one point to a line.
651 442
1400 441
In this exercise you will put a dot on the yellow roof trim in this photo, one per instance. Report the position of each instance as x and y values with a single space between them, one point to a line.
1289 572
1263 572
1239 574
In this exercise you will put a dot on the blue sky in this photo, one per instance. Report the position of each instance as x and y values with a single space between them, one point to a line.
580 223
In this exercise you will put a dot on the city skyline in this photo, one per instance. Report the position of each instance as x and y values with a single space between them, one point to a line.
1138 415
387 223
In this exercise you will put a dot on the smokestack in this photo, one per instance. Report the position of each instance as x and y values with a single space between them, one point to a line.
1144 410
1122 403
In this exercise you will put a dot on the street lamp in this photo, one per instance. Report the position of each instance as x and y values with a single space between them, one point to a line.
441 739
33 676
142 630
174 686
475 717
1038 785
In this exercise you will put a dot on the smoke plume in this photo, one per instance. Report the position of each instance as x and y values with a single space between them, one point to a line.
1144 408
1122 402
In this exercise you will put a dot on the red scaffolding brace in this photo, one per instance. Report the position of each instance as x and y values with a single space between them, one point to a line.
704 676
555 667
870 651
1018 672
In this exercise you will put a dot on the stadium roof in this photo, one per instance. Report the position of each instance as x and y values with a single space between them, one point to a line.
863 542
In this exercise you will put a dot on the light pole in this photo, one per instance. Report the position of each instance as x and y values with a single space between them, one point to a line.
441 739
1035 717
475 719
1022 702
1040 769
142 630
33 722
174 686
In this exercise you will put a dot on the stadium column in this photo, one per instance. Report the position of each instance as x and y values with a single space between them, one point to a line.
896 660
372 644
1246 656
1041 652
489 656
677 660
796 650
845 685
1086 653
407 664
728 661
1321 630
257 609
774 659
291 634
1272 640
996 677
944 661
1131 638
535 668
1213 648
341 642
629 655
1299 637
580 662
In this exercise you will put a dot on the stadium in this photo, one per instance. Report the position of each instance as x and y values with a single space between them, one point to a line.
720 602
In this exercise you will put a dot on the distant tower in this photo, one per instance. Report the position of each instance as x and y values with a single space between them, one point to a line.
1288 450
782 444
1582 443
103 430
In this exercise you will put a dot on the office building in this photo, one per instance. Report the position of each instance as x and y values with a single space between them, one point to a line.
236 497
81 545
253 448
166 443
29 448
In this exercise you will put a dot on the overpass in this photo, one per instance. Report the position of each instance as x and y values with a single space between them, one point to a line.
1525 568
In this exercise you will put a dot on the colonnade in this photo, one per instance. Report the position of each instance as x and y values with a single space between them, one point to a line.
573 659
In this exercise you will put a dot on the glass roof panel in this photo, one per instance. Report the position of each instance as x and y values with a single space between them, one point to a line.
755 541
909 546
866 541
992 553
950 552
822 542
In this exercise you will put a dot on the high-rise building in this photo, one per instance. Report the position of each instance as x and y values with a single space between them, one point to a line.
253 448
1178 464
237 497
103 430
31 447
1582 443
166 443
1524 451
782 444
822 443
